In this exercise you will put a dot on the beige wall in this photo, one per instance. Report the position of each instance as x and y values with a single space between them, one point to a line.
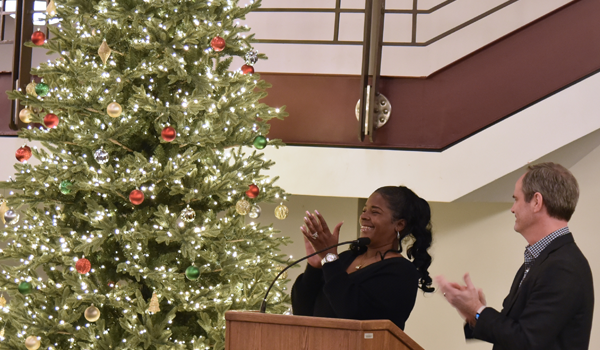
474 237
584 225
334 210
459 228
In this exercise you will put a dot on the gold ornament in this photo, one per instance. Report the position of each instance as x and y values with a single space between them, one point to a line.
31 89
114 110
243 207
283 275
25 115
3 209
281 211
2 333
32 343
2 301
104 52
92 314
154 307
51 9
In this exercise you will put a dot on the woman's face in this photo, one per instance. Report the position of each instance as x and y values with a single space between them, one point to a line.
377 222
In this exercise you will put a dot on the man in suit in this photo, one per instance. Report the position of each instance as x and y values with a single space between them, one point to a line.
551 300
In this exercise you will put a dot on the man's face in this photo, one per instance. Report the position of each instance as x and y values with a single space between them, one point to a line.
523 211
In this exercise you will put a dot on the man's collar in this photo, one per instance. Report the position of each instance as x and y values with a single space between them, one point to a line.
533 251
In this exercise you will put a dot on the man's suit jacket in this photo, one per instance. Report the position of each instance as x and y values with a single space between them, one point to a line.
551 310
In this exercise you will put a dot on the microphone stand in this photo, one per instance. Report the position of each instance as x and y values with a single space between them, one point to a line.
360 241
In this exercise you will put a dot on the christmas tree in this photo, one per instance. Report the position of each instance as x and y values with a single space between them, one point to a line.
130 229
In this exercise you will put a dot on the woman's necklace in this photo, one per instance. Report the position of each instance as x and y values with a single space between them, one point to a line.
366 260
361 265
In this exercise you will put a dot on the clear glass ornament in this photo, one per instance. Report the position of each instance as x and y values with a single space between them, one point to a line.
254 212
101 156
251 57
11 217
188 214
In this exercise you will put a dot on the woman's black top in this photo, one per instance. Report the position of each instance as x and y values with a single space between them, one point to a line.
386 289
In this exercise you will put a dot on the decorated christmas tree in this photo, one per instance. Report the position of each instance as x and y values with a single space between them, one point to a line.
130 227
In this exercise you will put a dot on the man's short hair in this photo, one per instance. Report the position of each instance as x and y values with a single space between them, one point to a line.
556 184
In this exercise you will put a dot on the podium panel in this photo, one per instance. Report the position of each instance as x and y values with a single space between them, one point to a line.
256 331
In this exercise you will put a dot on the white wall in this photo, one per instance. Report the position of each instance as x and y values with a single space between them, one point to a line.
416 61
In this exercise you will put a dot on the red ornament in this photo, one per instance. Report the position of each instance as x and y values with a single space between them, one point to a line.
168 133
38 38
253 191
23 153
217 43
83 266
136 197
247 69
51 120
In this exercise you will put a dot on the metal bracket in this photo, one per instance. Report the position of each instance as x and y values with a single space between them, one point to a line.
368 117
381 110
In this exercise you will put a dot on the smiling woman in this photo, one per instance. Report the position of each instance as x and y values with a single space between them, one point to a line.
373 282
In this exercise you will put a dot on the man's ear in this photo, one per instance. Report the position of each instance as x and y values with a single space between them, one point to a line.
537 201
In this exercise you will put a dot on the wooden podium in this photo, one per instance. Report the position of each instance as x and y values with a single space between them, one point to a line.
256 331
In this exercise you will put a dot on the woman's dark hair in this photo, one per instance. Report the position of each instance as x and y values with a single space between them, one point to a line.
405 204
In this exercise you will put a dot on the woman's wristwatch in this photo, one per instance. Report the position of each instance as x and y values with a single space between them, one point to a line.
329 258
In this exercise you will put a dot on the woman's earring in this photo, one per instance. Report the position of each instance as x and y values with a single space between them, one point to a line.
398 235
399 242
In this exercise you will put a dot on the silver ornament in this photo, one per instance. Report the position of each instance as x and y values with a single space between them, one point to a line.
254 212
101 156
11 217
251 57
188 214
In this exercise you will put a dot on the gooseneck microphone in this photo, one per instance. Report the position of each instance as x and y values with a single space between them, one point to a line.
360 242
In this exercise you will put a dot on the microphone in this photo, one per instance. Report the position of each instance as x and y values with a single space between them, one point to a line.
360 242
